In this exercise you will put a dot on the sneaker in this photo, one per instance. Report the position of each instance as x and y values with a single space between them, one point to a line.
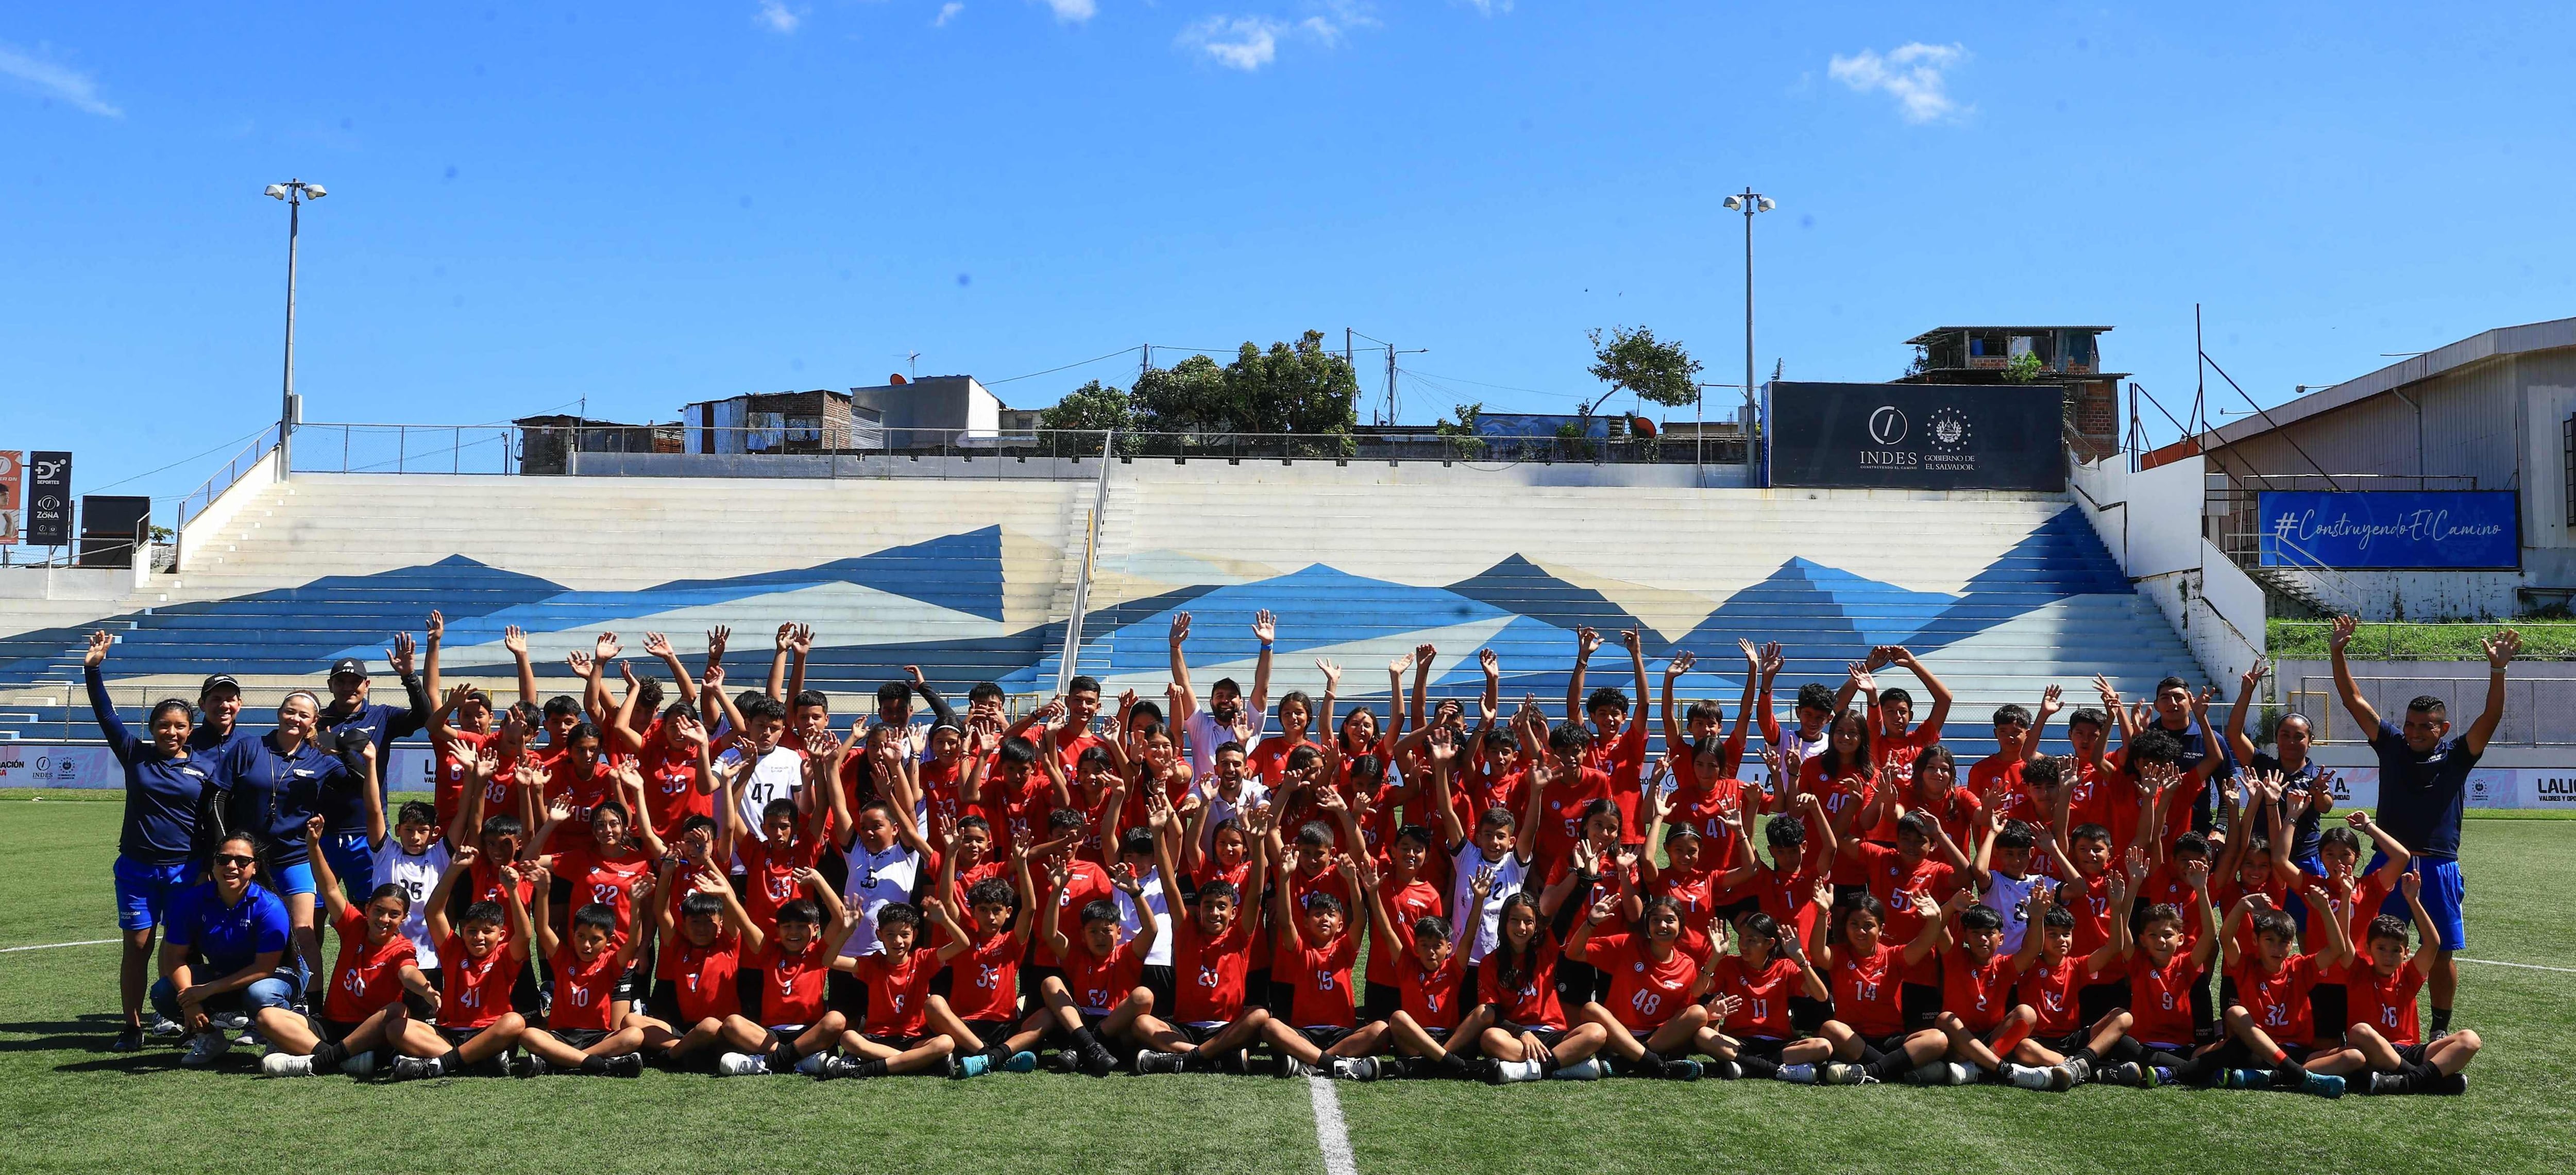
1099 1062
2130 1073
285 1065
164 1026
252 1038
812 1065
2451 1086
359 1065
2438 1036
741 1065
1928 1073
530 1065
414 1068
1063 1061
1359 1069
1023 1061
127 1041
624 1065
546 1000
1292 1067
1959 1073
231 1021
2323 1086
1842 1073
972 1065
2061 1078
1587 1069
1237 1063
2081 1069
1150 1061
1723 1070
2023 1076
2384 1085
1682 1069
1796 1074
207 1048
835 1068
2162 1074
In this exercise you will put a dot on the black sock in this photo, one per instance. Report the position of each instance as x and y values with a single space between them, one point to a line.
2127 1049
1453 1064
594 1066
871 1068
2419 1076
452 1063
496 1065
327 1057
1198 1061
2084 1054
1888 1067
1758 1066
998 1051
2441 1019
1651 1061
1085 1042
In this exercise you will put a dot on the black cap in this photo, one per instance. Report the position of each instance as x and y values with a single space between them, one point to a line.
347 666
216 682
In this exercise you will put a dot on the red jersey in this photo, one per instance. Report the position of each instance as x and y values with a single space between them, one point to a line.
486 881
608 881
473 992
1985 774
1978 994
1321 979
1841 796
2356 907
769 874
1407 904
1896 884
898 990
1624 760
1957 812
1083 884
2224 894
2385 1002
986 979
943 790
1480 787
1762 994
1643 992
1869 990
1099 984
1695 892
1209 971
454 752
1430 997
703 975
584 991
671 792
365 976
1268 759
2089 899
1789 898
2160 998
2053 993
2278 1002
1707 808
791 986
1532 1002
584 788
1895 753
1560 812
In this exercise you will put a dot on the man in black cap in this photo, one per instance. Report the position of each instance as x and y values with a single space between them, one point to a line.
350 719
219 704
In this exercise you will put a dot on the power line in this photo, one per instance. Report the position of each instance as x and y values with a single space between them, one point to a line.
235 442
1067 367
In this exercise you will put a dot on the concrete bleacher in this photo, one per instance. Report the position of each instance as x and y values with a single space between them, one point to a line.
2001 594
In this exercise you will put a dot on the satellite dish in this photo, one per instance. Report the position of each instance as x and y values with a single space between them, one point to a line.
897 378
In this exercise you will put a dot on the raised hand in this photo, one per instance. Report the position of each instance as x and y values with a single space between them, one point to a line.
436 626
1402 662
2050 701
2341 634
313 830
1681 663
2196 874
1423 655
1481 886
580 662
657 645
690 730
96 654
2411 882
801 641
2136 865
2501 647
514 640
1265 627
1862 679
1489 661
626 669
2254 674
605 647
1773 659
1602 908
1629 640
1180 627
1586 642
399 656
717 638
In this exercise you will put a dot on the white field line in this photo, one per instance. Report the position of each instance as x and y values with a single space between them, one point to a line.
1331 1135
47 946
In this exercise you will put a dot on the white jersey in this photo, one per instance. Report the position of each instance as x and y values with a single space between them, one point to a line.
417 875
2010 897
1489 919
1253 795
1134 919
875 880
778 775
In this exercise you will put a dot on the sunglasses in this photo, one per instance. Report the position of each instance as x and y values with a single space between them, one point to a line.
235 859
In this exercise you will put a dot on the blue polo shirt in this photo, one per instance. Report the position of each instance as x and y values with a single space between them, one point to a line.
346 811
2422 797
225 938
271 793
161 792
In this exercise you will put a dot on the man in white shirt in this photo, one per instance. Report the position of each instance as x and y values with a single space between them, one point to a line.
1228 716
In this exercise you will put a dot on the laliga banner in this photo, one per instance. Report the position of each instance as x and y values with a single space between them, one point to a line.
57 765
1916 436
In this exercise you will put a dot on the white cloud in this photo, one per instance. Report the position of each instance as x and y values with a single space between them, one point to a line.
947 12
1236 42
1074 10
60 83
1250 42
1910 73
1486 7
777 17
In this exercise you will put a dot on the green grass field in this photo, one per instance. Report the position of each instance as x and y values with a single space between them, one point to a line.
66 1104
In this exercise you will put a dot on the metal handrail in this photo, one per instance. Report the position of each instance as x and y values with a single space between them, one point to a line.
241 463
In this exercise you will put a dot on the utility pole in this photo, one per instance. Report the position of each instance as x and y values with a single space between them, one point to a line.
1148 364
1390 384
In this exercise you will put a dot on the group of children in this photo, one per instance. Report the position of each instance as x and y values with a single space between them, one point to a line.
724 884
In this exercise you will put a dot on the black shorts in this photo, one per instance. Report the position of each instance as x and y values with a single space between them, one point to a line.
848 994
1767 1048
456 1037
2412 1054
1157 978
1578 984
2096 1000
1199 1034
1922 1004
1325 1037
631 986
1887 1044
334 1031
1380 1001
899 1044
2067 1044
1439 1036
991 1032
579 1038
2328 1005
1808 1016
1550 1037
1033 982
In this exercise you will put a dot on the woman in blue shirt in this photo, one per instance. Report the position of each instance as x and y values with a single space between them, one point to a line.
222 949
273 784
164 789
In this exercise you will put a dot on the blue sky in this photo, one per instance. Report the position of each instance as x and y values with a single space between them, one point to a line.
653 203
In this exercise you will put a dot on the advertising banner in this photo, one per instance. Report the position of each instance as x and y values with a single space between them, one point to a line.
13 503
59 765
1916 436
49 499
2455 529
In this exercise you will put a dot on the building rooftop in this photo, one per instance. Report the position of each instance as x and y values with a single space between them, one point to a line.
2492 344
1927 337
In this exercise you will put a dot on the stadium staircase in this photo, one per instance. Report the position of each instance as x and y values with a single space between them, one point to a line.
2001 594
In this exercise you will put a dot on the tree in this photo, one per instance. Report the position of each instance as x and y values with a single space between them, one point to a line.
1292 388
1460 432
1636 361
1090 408
2024 368
1189 396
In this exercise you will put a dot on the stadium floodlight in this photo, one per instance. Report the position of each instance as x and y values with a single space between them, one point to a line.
1765 204
1748 202
315 191
276 191
294 192
1732 202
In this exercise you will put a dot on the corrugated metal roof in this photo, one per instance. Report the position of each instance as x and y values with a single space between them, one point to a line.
1919 339
2502 341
